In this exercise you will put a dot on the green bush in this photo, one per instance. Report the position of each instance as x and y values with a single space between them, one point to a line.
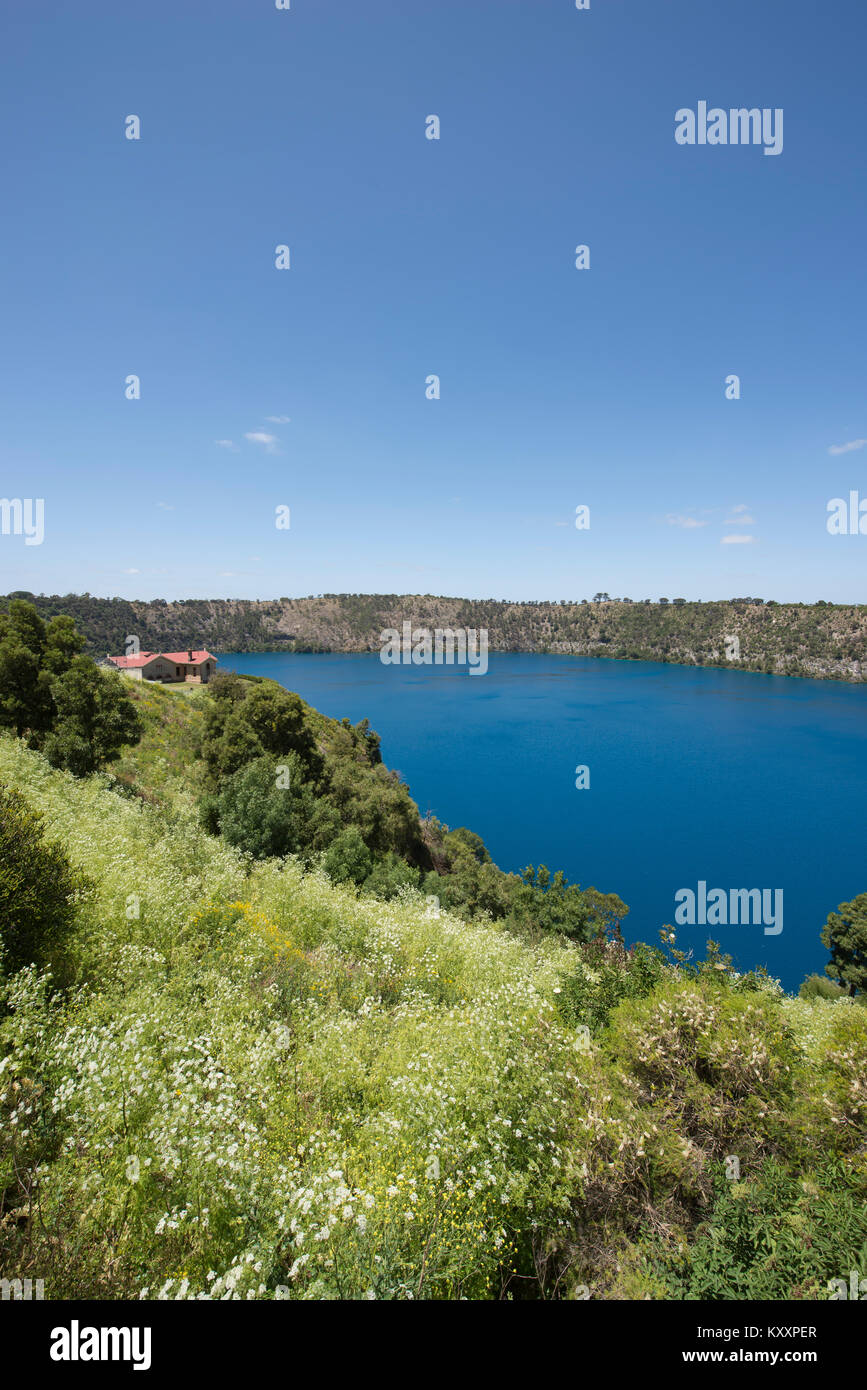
834 1110
39 890
241 727
348 860
713 1065
266 808
606 975
389 876
818 987
773 1235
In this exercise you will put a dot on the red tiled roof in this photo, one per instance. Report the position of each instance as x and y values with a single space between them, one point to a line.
181 658
125 663
140 659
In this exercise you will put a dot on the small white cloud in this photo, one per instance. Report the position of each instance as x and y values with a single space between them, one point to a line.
131 571
687 522
847 448
165 506
739 520
736 540
278 419
225 443
260 437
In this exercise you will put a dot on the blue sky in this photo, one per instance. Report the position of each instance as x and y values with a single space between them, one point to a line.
412 257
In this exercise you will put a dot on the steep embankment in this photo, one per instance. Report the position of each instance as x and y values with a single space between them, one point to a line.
821 640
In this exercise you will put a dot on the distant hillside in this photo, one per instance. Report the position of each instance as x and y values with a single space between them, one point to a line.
821 640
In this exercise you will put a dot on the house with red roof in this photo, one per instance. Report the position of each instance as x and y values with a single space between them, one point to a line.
194 667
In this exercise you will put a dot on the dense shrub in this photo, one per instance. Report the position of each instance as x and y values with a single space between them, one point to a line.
391 875
242 725
717 1064
606 974
266 808
39 889
348 860
772 1235
818 987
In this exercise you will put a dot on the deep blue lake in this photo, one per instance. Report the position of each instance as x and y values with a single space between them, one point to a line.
734 779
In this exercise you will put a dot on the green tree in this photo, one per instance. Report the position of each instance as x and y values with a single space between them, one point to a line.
550 903
240 728
473 842
228 743
25 700
95 718
227 686
363 737
845 935
276 717
63 643
348 859
375 801
266 808
39 889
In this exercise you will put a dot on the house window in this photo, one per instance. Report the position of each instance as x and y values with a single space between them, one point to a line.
177 670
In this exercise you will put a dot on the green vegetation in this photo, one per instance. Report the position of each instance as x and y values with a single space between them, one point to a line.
822 640
845 935
39 890
94 718
774 1231
81 716
376 1066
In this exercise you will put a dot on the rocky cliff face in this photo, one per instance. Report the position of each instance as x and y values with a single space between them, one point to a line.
820 640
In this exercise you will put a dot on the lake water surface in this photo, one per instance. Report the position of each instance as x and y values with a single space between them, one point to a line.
736 779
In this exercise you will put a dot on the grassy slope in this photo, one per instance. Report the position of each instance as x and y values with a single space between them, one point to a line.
165 765
187 1033
265 1082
